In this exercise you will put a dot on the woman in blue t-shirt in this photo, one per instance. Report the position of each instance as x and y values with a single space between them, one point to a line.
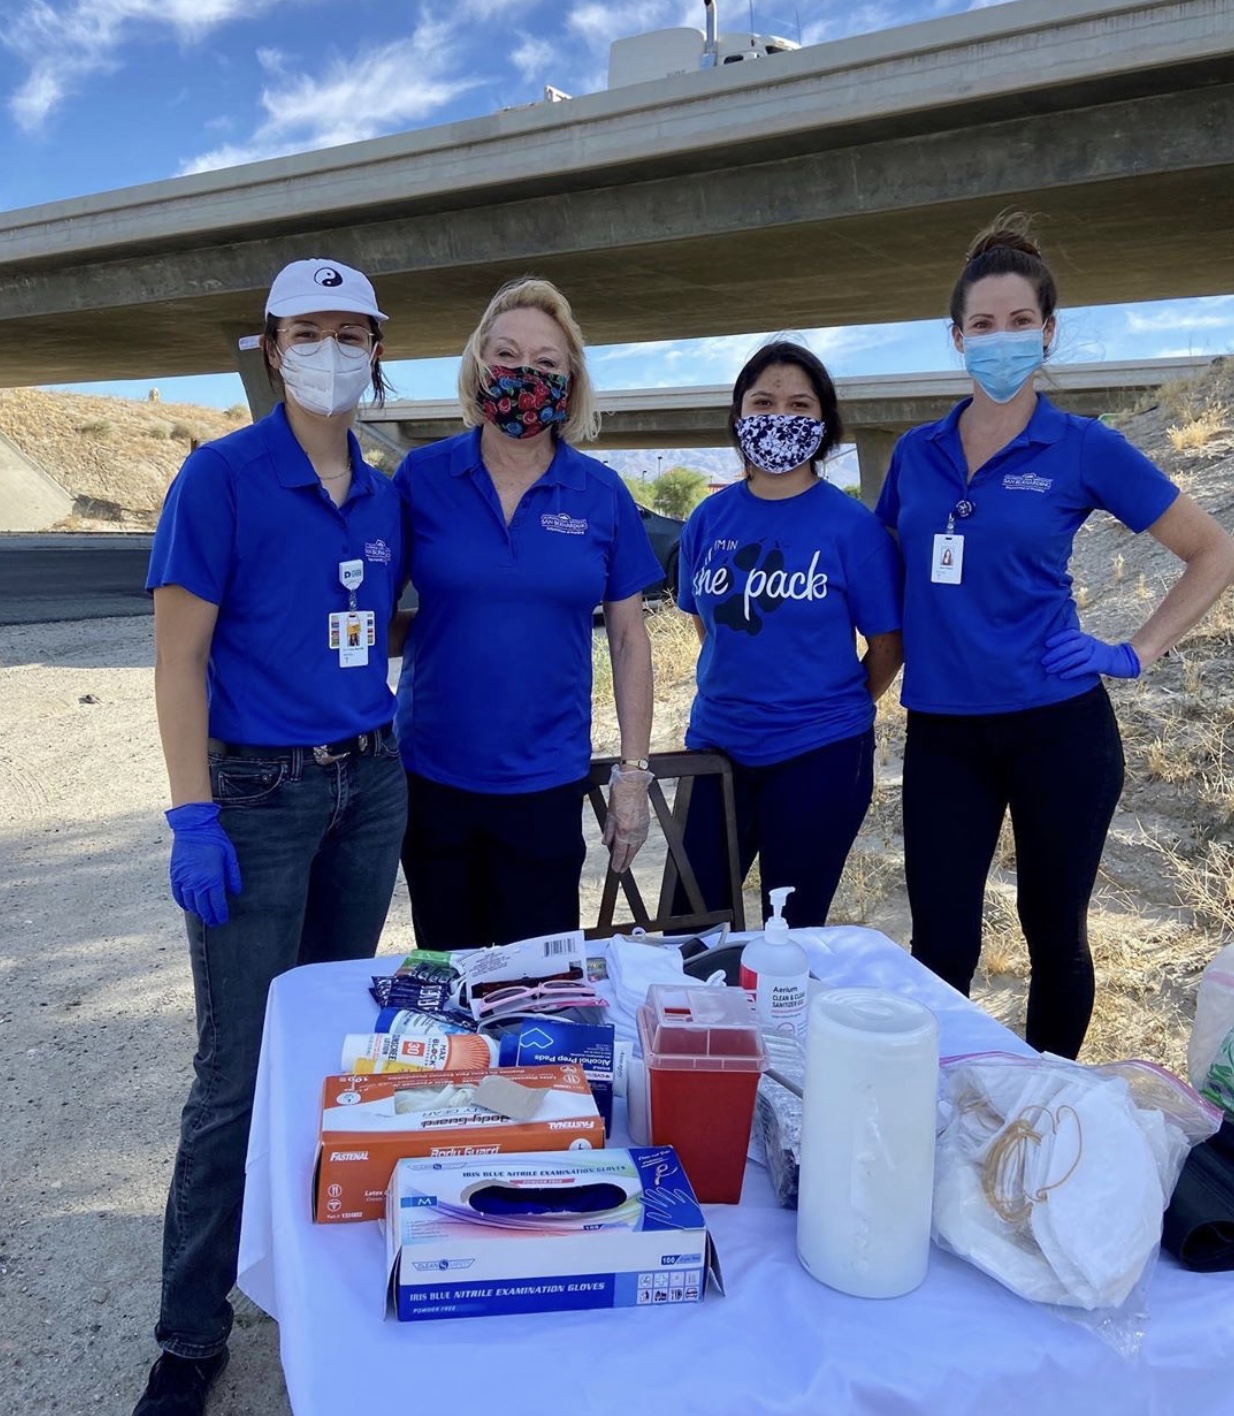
780 571
1006 708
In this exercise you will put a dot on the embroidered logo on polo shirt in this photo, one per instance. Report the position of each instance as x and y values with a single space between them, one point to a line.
1027 482
377 551
567 525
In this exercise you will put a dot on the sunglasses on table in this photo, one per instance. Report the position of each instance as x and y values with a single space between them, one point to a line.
539 997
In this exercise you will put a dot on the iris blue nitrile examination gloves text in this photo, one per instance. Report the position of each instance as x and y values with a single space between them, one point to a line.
1072 654
203 866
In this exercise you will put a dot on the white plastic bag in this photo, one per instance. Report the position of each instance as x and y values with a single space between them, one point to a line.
1053 1177
1211 1040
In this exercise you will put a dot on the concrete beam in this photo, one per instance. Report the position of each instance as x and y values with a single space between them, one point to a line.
882 404
848 176
874 447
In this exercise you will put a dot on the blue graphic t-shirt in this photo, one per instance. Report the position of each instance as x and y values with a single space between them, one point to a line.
781 587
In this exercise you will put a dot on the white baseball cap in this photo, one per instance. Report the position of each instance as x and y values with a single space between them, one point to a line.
305 287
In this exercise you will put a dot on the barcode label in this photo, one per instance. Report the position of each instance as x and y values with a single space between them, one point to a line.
559 946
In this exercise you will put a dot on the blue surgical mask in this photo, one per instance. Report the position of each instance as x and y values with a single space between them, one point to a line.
1002 363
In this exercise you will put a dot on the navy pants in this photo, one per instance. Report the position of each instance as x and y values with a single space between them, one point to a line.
318 850
800 817
1059 770
489 868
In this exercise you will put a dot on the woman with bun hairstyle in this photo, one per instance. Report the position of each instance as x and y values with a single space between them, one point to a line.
1006 706
781 571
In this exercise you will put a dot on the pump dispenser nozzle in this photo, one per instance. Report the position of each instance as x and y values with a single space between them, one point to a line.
776 923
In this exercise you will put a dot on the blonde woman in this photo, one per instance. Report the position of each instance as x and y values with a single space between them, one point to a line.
516 537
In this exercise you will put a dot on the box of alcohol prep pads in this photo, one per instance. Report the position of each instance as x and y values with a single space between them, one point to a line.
543 1232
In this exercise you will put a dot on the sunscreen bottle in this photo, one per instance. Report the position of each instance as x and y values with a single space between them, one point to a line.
776 973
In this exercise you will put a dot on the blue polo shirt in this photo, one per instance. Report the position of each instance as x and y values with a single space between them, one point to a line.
976 647
248 526
781 586
495 693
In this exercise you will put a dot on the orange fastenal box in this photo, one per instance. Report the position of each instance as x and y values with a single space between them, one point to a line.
369 1123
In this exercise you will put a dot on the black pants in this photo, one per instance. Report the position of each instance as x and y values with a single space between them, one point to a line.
1059 769
800 817
488 869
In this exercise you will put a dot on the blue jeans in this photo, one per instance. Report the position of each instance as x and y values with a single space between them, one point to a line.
318 850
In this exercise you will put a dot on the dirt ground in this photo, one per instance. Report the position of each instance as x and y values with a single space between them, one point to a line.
96 1029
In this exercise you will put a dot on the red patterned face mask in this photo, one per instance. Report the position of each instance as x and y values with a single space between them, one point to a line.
524 401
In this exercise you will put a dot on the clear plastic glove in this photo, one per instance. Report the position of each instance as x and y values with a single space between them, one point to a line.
204 866
1072 654
629 815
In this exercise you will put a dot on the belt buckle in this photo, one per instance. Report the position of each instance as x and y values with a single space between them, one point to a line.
325 758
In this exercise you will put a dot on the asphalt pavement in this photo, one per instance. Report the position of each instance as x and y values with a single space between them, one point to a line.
73 577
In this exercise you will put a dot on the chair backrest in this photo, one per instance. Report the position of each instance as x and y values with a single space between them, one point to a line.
683 767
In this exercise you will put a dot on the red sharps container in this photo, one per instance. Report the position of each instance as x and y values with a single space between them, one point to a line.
703 1053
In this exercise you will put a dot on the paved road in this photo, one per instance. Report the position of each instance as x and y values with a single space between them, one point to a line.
77 577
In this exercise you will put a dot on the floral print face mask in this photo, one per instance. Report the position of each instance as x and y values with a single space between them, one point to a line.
523 401
778 442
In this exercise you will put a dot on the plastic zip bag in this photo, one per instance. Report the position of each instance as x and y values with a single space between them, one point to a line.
1052 1177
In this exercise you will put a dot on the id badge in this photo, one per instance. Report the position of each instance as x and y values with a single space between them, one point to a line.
352 634
947 565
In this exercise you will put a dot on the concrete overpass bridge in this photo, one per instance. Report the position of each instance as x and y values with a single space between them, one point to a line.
830 186
875 410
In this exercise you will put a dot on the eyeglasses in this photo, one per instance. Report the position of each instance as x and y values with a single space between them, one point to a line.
540 997
351 339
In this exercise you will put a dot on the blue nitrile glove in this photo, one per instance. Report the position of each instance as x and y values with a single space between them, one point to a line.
203 862
1072 654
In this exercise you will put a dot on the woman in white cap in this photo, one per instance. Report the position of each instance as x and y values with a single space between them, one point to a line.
275 571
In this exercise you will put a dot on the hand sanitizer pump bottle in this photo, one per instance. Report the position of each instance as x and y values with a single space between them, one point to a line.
776 973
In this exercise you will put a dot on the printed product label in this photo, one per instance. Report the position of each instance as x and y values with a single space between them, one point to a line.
779 1001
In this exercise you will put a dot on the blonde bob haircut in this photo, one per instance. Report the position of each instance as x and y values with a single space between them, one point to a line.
529 292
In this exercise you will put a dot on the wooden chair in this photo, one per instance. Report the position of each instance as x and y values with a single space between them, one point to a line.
683 767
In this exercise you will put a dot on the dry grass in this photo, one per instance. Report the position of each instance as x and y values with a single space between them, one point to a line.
116 456
1200 430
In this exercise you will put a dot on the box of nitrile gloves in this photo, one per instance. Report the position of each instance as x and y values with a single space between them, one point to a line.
542 1233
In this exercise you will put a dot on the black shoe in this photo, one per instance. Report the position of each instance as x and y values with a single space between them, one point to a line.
178 1385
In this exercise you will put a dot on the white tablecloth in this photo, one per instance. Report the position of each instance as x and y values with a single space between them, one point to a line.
779 1343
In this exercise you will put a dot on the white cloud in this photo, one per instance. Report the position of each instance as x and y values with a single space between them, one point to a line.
1214 313
533 57
63 43
597 24
375 91
719 358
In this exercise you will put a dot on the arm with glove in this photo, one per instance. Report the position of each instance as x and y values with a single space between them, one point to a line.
629 808
204 868
1207 553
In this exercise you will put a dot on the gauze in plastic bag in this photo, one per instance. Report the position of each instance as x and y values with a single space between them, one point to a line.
1052 1177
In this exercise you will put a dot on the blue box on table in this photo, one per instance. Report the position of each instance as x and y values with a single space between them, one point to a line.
541 1232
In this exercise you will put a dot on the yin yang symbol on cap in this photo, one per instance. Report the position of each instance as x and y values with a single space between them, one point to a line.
327 275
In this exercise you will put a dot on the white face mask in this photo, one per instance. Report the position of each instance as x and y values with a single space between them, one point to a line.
326 378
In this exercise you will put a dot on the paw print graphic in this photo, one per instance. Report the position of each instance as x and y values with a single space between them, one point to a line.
738 611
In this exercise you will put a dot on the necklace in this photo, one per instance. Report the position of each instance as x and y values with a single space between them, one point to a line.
334 476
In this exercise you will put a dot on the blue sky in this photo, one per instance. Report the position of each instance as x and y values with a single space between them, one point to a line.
100 94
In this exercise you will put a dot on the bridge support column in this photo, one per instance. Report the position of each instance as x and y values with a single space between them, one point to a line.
251 366
873 458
